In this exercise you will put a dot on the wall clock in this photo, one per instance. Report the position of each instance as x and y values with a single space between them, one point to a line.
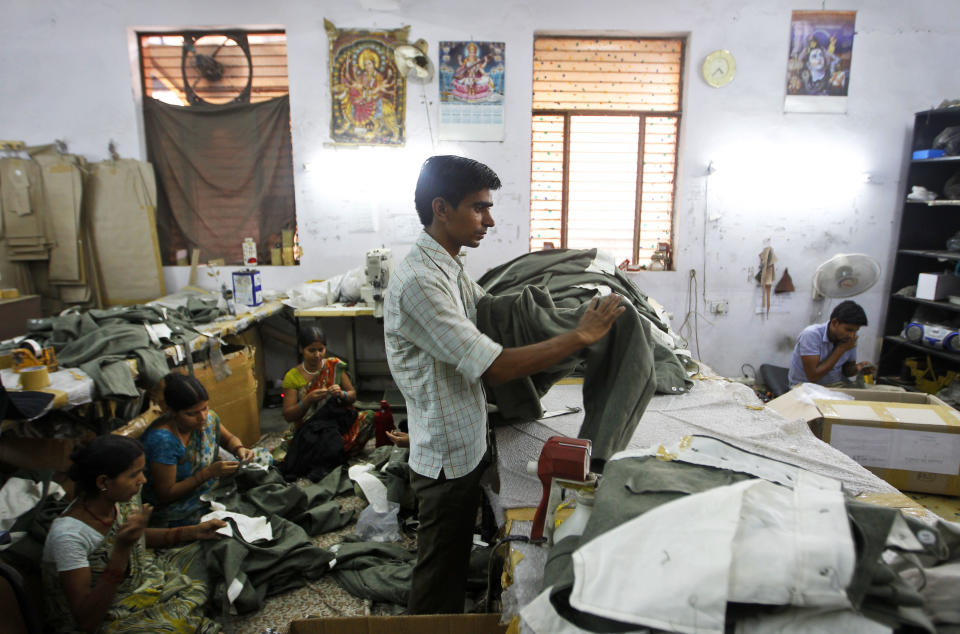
719 67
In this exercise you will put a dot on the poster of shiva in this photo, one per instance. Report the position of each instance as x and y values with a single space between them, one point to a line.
818 68
368 94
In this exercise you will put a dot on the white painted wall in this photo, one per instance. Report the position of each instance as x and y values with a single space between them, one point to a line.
786 180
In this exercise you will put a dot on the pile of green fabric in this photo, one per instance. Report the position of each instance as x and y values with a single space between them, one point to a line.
543 294
100 341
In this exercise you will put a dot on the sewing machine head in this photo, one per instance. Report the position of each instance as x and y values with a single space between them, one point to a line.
378 265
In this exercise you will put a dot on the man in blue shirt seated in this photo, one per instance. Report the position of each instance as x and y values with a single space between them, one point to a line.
827 353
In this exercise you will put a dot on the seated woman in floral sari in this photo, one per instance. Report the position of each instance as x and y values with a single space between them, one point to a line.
98 572
182 447
317 380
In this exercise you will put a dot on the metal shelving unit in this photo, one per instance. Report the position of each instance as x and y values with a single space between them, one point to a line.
921 241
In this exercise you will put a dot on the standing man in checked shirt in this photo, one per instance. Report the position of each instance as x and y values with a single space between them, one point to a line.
438 358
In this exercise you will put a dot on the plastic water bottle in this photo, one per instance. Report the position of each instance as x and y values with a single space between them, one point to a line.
382 423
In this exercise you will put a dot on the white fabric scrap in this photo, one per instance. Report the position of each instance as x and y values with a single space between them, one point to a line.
234 589
251 529
373 489
603 262
19 495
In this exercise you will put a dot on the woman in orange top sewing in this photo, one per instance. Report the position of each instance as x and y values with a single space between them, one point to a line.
318 379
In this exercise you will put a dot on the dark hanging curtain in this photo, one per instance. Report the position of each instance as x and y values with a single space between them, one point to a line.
224 173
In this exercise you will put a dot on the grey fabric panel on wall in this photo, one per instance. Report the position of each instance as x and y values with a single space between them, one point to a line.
224 172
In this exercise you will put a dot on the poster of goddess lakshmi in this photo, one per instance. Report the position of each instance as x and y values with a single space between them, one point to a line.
471 91
369 95
471 72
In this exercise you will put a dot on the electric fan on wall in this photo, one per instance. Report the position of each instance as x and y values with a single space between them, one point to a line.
845 275
216 68
412 60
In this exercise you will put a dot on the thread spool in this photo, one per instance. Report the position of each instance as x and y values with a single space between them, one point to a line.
34 378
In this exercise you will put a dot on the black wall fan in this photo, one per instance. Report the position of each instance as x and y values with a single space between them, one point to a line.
217 68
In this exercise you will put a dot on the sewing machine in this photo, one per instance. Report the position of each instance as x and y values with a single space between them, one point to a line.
378 266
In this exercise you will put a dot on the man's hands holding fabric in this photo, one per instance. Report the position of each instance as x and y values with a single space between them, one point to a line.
599 317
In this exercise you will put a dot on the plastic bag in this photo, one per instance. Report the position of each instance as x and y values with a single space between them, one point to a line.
373 526
806 392
350 284
311 294
948 140
951 189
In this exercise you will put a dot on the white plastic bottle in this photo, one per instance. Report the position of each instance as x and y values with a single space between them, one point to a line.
249 252
577 521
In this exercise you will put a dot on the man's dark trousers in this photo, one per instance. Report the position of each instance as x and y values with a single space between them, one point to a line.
448 514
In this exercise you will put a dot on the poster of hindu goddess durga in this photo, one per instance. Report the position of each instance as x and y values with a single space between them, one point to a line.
369 95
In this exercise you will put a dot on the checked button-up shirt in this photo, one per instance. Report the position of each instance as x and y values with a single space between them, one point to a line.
437 356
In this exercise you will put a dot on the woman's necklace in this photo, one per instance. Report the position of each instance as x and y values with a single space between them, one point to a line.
94 516
303 366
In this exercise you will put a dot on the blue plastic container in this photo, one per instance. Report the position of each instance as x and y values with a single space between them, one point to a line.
927 154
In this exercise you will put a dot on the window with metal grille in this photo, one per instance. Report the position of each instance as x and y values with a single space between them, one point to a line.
217 127
606 115
190 67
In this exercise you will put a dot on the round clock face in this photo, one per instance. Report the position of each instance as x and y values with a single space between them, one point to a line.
719 67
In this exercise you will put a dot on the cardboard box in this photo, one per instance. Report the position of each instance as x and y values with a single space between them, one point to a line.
415 624
234 398
910 439
935 286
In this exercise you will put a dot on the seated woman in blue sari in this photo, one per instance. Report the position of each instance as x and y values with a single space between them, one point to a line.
182 448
